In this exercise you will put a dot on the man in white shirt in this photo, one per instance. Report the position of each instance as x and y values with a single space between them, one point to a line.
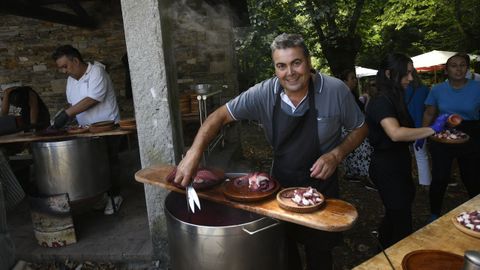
92 98
89 89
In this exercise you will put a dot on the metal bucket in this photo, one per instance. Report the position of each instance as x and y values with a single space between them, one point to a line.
77 166
221 237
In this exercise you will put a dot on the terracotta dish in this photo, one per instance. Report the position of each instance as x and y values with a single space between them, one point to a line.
50 132
286 203
103 123
132 127
204 179
450 136
244 194
463 228
77 129
127 122
98 129
432 260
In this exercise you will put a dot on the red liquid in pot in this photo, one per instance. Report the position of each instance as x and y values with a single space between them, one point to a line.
212 214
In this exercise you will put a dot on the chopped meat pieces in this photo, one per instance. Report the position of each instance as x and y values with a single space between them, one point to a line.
470 220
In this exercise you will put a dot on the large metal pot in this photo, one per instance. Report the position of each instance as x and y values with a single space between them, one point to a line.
77 166
221 237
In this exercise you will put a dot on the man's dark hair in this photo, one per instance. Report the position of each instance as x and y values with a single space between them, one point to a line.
460 55
285 41
66 50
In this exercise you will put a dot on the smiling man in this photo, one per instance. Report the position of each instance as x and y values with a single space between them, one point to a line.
302 112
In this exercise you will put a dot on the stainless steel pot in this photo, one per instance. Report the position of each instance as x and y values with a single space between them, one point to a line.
221 237
77 166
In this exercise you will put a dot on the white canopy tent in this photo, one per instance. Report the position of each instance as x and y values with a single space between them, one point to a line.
364 72
435 60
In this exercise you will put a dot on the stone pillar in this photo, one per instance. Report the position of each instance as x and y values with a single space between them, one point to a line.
152 71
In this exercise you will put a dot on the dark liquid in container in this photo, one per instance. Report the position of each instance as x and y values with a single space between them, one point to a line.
212 214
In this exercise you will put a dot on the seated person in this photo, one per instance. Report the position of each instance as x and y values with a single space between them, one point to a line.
34 113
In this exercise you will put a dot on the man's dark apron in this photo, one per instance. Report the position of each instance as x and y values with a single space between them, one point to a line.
296 148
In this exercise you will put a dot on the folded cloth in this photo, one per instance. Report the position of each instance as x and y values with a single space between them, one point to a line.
12 191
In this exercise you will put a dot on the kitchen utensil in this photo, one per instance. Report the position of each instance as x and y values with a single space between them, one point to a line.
201 88
244 194
77 166
472 260
192 198
374 234
288 204
464 229
103 123
432 260
449 141
222 237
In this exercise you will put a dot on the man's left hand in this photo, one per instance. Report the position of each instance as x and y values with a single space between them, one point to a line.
61 120
324 167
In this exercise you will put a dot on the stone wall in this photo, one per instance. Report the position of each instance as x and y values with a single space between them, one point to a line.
202 40
26 46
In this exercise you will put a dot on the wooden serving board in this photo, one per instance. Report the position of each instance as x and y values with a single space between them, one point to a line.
30 137
335 216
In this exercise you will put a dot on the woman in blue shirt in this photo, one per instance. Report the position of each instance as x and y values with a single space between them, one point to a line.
461 96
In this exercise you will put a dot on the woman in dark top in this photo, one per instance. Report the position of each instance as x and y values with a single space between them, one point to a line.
34 112
390 132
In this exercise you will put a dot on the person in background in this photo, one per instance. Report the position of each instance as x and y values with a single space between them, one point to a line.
461 96
302 114
415 96
34 112
390 133
92 98
357 162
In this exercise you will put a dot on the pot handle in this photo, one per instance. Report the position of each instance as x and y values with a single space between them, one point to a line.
276 223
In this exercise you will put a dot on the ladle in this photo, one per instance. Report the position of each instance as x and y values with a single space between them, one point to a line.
375 236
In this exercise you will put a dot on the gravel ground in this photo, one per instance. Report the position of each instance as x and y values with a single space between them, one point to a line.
358 245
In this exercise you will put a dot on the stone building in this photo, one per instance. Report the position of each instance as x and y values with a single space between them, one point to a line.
171 45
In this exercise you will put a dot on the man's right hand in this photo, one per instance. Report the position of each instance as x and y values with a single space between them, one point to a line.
187 169
61 120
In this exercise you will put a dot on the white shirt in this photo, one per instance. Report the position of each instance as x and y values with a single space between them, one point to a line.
95 84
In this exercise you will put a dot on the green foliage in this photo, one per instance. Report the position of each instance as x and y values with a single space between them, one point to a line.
409 26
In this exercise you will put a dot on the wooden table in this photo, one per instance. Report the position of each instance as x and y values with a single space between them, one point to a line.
30 137
335 216
439 235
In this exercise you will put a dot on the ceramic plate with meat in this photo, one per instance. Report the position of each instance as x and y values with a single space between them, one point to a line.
450 136
251 187
77 129
300 199
468 222
205 178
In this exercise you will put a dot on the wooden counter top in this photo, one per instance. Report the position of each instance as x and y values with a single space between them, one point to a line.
30 137
336 215
439 235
